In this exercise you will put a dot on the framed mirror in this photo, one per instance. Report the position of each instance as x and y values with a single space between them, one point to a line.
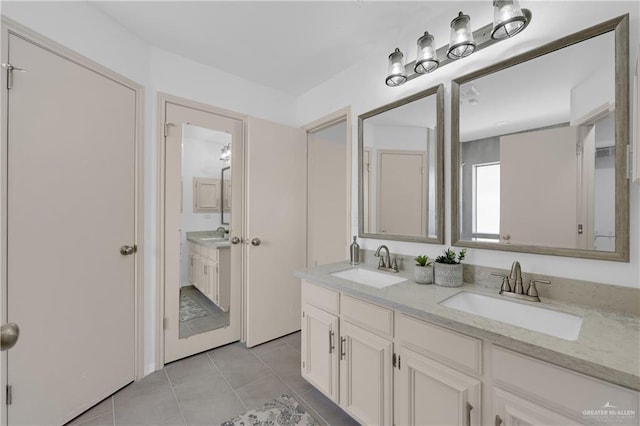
401 169
540 147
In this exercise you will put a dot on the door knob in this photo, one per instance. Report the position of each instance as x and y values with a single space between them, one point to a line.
256 242
9 334
127 250
235 240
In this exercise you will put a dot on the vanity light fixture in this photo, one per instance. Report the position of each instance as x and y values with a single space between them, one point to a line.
397 74
462 43
226 152
509 20
427 59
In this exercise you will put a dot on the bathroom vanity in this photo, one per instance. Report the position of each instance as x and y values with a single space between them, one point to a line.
393 354
209 262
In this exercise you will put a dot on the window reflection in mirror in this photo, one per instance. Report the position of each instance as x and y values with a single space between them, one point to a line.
400 169
536 148
205 264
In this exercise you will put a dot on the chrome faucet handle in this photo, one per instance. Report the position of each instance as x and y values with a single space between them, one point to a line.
505 282
532 290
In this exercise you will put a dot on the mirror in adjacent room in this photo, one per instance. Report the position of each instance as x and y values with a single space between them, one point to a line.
539 147
205 251
225 187
401 169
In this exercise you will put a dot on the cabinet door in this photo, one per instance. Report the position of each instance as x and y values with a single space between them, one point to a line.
511 410
366 375
319 351
191 269
429 393
206 195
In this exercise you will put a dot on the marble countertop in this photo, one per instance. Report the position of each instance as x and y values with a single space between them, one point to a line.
608 346
203 238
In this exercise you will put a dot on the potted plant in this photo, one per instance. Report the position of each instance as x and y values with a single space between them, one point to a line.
448 268
423 272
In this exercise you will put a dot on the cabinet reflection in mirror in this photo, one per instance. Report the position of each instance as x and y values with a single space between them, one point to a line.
400 148
205 280
539 146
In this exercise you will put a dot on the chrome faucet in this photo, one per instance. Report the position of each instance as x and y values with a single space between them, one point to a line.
517 290
515 277
221 230
385 263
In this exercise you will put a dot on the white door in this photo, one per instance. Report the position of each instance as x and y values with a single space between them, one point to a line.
538 186
70 207
402 189
328 239
276 229
366 375
187 126
429 393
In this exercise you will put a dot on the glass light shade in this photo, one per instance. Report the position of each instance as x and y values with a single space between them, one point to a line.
508 19
427 58
397 74
462 43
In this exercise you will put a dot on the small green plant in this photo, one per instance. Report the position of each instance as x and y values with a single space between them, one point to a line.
450 257
423 260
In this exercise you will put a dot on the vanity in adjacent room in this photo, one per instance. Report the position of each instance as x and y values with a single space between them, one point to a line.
209 266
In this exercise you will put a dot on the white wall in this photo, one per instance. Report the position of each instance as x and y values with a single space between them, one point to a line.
85 29
362 87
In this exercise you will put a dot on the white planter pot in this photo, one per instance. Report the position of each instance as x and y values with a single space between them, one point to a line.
448 275
423 274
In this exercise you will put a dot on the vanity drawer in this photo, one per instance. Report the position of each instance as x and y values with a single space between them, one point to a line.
320 297
449 347
367 315
540 380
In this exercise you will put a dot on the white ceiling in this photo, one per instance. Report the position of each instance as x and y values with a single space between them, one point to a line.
290 46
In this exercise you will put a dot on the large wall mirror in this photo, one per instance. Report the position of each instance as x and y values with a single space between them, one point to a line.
400 157
539 149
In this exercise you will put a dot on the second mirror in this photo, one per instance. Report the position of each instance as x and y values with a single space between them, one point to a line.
401 169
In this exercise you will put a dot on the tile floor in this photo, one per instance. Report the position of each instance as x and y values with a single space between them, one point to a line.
215 318
214 386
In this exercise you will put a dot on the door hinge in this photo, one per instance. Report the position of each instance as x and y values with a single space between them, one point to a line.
302 314
166 128
399 367
394 360
9 394
10 69
165 323
303 364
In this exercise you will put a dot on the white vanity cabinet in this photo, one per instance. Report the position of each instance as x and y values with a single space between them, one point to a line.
527 391
320 362
349 363
438 376
208 272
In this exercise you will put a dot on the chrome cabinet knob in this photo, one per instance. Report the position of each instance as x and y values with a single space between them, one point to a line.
235 240
127 250
256 242
9 334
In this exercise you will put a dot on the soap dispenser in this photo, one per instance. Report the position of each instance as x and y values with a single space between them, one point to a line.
355 252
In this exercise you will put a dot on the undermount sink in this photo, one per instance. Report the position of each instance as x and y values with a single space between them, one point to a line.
554 323
370 278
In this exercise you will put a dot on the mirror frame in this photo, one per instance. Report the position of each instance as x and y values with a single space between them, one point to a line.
440 225
620 26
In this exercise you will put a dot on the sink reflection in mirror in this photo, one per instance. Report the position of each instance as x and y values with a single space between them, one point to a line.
554 323
205 264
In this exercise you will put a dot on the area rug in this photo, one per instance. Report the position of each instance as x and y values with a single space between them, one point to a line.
189 308
282 411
